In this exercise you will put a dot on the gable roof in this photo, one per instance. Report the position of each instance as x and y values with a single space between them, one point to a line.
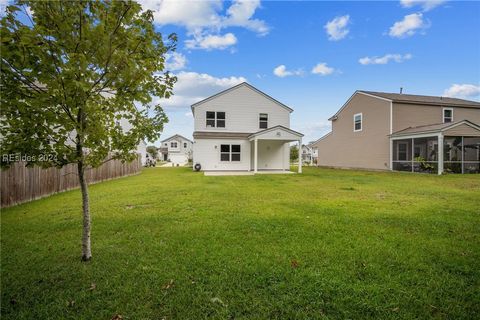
419 99
174 136
411 99
243 84
296 133
432 128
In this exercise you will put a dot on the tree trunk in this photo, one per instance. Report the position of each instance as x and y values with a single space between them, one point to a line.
86 248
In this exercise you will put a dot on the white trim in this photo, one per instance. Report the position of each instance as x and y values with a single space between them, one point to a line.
443 115
373 96
361 122
468 123
278 127
434 132
440 154
410 136
391 131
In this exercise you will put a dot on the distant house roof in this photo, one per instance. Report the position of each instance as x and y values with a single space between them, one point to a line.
419 99
238 86
176 135
438 127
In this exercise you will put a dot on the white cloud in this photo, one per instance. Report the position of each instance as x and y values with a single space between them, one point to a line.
408 26
189 114
204 21
337 28
175 61
192 87
385 59
425 4
210 42
322 69
240 14
462 91
314 130
281 71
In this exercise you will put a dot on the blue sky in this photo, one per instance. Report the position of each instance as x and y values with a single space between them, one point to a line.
424 47
312 55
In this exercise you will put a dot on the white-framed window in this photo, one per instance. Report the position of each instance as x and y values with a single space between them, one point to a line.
357 122
447 115
263 121
402 151
166 144
230 152
173 144
184 144
215 119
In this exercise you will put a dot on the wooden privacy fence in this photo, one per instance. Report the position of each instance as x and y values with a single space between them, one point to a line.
21 184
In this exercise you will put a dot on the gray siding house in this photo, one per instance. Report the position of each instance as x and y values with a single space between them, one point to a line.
388 131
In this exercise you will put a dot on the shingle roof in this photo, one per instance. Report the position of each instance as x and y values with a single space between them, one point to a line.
237 86
413 98
176 135
432 127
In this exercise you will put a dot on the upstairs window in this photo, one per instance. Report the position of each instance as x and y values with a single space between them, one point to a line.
357 122
184 144
447 115
173 144
230 152
263 121
215 119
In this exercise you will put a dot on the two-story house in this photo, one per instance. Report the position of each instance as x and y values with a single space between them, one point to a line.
242 129
377 130
176 149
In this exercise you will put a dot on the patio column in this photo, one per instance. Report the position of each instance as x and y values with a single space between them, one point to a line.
255 156
300 155
440 153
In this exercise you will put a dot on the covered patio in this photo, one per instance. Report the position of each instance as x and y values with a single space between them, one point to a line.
271 149
438 148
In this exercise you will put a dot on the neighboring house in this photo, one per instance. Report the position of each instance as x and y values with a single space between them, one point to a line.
376 130
307 154
176 149
142 151
242 129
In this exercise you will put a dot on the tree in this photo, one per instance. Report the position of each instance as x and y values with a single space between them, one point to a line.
293 153
152 150
70 73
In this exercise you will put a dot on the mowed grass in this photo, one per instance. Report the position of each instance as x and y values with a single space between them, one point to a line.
173 244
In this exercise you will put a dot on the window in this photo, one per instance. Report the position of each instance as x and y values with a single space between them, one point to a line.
166 144
357 122
263 121
215 119
184 144
402 151
230 152
447 115
173 144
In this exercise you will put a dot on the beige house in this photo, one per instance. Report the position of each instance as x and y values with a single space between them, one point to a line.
388 131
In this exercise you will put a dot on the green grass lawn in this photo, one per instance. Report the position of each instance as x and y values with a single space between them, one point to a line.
173 244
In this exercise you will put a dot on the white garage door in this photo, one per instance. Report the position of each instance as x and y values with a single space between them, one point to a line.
179 159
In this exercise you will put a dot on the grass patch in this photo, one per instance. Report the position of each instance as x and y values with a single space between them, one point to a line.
171 243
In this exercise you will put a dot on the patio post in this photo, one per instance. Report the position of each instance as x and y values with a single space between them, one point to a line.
300 155
440 153
255 156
